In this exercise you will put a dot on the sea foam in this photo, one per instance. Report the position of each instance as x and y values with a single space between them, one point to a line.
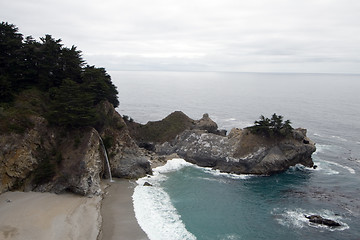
351 170
295 218
217 173
153 208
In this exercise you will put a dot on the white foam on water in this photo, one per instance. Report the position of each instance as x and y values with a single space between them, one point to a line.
230 119
299 167
217 173
321 166
295 218
172 166
320 148
230 237
339 138
351 170
153 208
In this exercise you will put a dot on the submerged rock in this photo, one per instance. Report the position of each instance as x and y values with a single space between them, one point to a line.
324 221
147 184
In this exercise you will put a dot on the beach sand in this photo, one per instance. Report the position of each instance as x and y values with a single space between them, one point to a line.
44 216
118 215
48 216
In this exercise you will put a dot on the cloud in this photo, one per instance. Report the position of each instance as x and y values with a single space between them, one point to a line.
199 35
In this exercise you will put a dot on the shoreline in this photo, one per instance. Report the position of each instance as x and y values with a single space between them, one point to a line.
117 211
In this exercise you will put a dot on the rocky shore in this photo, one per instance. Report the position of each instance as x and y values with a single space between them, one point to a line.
56 160
48 159
240 152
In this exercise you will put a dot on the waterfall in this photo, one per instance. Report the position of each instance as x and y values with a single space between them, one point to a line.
106 157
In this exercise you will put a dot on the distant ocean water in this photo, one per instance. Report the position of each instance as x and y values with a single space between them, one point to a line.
189 202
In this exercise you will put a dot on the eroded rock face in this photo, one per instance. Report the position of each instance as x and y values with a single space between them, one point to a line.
126 158
18 156
46 159
81 166
241 152
53 159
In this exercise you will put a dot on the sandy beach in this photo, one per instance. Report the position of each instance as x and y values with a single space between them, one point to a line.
119 222
45 216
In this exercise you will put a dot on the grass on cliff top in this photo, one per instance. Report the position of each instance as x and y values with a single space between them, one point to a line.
161 131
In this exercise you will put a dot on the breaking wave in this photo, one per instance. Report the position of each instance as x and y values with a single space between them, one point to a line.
154 211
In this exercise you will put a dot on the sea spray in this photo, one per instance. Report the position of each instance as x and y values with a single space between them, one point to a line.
107 159
153 208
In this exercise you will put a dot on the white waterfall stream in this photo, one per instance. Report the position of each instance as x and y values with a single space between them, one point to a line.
107 159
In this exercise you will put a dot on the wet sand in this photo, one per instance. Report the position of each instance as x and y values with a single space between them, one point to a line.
44 216
118 214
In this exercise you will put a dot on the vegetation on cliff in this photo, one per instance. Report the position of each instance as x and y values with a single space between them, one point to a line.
48 79
160 131
50 101
272 127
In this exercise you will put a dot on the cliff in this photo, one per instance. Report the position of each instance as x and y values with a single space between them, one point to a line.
53 110
58 159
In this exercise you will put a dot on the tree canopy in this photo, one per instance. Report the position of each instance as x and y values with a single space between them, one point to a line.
271 127
73 88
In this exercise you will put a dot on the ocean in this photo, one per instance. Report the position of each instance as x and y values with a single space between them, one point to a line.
189 202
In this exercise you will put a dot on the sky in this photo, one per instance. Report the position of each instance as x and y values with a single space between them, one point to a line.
302 36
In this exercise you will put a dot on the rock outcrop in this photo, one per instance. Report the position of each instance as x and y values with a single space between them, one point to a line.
241 152
323 221
152 133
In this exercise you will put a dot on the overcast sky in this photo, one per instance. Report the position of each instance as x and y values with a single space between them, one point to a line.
321 36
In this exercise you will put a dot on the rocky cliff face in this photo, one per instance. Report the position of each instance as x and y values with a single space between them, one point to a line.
242 152
45 158
126 158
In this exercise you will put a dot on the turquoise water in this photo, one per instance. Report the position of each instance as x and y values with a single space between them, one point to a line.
214 207
189 202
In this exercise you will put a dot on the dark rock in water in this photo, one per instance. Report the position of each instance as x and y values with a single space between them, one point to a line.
147 184
315 167
241 152
324 221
